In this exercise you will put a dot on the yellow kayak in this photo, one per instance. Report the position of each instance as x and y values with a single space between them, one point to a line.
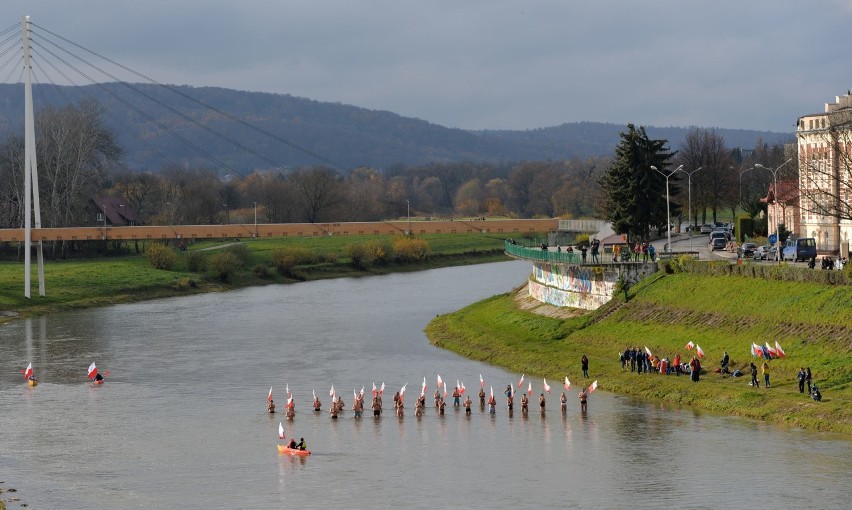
282 448
32 382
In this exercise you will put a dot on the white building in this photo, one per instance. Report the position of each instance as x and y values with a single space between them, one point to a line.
825 176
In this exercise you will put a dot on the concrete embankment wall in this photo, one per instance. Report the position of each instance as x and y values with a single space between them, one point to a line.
581 286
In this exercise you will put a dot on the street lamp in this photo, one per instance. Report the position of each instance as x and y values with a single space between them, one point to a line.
227 214
668 203
689 194
255 219
775 193
741 183
408 213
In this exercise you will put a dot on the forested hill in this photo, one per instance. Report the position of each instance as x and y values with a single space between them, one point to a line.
347 135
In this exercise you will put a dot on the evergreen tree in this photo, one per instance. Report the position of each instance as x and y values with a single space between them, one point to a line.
634 194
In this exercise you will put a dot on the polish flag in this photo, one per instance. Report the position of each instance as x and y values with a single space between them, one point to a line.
778 348
529 388
756 350
93 370
772 352
546 387
361 393
280 431
445 391
492 392
268 395
440 381
314 393
461 389
481 382
402 391
374 392
521 381
331 391
593 387
567 384
354 393
648 351
698 351
28 371
290 403
423 388
287 389
382 389
689 345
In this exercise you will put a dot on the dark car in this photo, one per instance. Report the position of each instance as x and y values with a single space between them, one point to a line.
748 249
718 243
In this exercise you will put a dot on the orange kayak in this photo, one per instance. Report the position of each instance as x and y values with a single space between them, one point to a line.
32 382
292 451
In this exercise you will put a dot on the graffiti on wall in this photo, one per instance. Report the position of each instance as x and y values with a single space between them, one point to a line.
575 286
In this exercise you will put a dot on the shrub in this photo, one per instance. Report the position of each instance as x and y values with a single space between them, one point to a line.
161 257
409 249
286 258
225 264
360 256
195 262
382 251
261 271
186 283
582 240
241 251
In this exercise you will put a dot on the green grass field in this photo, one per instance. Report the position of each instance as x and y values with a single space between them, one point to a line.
813 324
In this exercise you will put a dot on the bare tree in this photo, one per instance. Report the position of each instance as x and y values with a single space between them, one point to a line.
713 186
318 191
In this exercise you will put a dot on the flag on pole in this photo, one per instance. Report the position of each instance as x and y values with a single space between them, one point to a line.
529 388
402 391
772 352
698 351
361 393
756 350
314 393
593 387
423 388
374 391
382 389
567 384
93 370
440 381
269 395
689 345
461 389
445 391
331 391
546 387
28 371
779 350
280 431
521 381
648 351
492 392
481 382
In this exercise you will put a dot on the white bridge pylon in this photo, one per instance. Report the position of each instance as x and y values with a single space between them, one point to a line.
32 206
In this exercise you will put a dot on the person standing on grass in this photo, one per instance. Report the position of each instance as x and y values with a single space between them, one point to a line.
765 370
808 378
754 382
584 364
801 377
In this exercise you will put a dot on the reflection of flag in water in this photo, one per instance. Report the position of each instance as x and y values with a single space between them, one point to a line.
28 371
93 370
280 431
698 351
781 353
546 387
268 395
593 387
567 384
689 345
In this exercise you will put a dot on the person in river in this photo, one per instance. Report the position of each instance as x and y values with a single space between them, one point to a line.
492 405
270 406
317 403
754 381
291 410
340 404
358 407
332 410
510 402
418 406
396 400
456 396
564 401
467 404
377 407
441 406
421 401
541 402
437 396
302 444
583 399
481 397
525 403
399 407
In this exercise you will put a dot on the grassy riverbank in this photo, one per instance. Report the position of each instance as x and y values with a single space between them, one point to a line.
85 283
813 323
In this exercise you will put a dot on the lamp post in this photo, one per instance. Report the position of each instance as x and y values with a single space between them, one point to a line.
689 195
255 219
741 183
775 196
668 203
227 214
408 214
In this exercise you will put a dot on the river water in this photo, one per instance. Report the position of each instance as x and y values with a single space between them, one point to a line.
182 421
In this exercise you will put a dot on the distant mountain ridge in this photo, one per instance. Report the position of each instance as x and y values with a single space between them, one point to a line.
346 135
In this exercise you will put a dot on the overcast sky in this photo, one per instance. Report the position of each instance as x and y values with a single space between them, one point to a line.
488 64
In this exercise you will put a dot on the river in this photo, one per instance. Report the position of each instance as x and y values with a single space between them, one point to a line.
182 421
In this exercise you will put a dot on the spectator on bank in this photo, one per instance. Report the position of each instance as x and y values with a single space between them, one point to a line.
765 370
754 381
801 377
583 252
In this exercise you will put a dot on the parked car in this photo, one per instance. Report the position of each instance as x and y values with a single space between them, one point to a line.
718 233
799 249
761 252
706 229
718 243
748 249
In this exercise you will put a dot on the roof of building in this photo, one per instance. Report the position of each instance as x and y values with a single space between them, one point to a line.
788 192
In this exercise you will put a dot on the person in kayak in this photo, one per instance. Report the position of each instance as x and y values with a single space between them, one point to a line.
99 378
270 406
293 445
302 445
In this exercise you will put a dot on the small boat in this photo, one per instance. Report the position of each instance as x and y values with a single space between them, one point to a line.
32 382
282 448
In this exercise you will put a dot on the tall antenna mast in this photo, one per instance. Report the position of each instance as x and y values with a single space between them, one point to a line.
32 206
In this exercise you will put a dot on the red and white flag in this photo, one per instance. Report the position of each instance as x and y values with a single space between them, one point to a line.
756 350
780 351
492 392
772 352
374 391
647 350
93 370
529 388
698 351
280 431
689 345
402 391
423 388
546 387
481 382
287 389
361 393
445 391
28 371
521 381
314 393
290 403
268 395
440 381
593 387
382 389
567 384
331 391
461 389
